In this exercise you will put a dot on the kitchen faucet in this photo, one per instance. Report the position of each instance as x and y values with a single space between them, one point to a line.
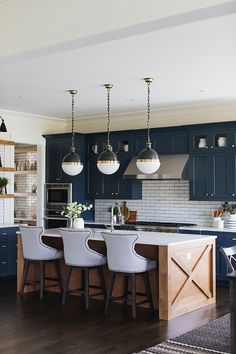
112 214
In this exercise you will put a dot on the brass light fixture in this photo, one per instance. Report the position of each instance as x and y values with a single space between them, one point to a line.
71 163
107 162
148 160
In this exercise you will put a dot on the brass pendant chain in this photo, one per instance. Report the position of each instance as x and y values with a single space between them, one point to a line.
108 87
148 114
73 93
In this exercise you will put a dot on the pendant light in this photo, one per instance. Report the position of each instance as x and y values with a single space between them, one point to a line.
71 163
107 162
148 160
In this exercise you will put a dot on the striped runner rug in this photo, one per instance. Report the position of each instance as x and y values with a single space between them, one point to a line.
214 337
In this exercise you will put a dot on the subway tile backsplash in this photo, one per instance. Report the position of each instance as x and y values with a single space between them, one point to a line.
166 201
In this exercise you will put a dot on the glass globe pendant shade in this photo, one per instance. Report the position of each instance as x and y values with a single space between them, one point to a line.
107 162
148 161
72 164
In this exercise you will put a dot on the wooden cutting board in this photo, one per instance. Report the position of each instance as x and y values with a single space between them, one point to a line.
125 211
132 216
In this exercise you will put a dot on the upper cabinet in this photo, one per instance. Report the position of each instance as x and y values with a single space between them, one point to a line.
122 143
57 146
172 142
100 186
165 141
216 139
212 154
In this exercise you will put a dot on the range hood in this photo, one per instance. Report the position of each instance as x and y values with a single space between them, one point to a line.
172 167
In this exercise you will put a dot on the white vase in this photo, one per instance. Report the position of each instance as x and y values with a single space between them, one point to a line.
78 223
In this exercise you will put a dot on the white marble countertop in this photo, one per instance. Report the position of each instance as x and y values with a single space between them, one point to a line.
8 225
146 238
208 228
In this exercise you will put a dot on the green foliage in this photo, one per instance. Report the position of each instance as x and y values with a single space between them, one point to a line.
4 181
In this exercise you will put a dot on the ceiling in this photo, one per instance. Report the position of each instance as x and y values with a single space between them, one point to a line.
191 63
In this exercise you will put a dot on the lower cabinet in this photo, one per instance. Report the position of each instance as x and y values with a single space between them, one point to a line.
8 251
224 239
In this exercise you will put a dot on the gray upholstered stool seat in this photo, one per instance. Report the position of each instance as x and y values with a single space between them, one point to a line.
123 259
34 250
78 254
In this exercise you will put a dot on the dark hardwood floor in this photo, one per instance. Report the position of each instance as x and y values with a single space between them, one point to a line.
31 326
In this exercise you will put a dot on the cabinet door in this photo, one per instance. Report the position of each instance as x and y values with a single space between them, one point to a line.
220 186
199 140
233 176
53 162
8 252
95 180
200 177
172 143
220 139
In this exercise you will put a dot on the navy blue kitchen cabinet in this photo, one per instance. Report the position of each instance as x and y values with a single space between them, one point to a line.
57 146
171 142
100 186
210 176
210 137
165 141
8 251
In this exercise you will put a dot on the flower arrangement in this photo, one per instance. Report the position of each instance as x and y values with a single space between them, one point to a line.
74 210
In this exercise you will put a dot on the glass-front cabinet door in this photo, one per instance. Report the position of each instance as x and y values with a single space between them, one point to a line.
215 139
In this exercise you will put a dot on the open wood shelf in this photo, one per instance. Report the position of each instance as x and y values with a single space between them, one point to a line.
7 142
7 169
25 149
6 196
28 172
25 194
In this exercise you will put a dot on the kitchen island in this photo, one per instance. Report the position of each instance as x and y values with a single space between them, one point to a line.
183 282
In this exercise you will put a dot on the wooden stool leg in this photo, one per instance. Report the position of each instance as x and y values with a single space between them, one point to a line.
66 284
126 289
102 280
25 271
42 276
58 271
109 291
149 291
86 271
133 275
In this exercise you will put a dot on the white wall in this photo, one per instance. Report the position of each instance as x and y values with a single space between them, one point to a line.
28 129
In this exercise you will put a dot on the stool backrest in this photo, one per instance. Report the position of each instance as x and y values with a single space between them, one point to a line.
33 247
121 255
76 249
229 254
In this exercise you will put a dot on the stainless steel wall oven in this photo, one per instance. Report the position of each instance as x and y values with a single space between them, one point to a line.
57 195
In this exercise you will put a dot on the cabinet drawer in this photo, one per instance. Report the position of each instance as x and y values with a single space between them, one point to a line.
8 240
9 231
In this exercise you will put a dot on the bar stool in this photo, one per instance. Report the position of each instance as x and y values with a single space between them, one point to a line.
34 250
229 254
123 259
79 255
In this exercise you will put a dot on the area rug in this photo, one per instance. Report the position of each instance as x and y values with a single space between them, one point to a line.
211 338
